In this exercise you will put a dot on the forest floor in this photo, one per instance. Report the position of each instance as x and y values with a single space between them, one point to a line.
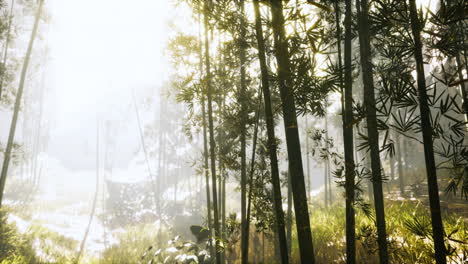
53 233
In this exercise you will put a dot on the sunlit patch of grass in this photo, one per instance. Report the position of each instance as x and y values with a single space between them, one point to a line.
410 233
328 233
408 228
133 242
34 244
14 247
51 246
406 243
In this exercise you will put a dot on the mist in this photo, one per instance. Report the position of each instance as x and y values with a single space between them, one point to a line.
233 131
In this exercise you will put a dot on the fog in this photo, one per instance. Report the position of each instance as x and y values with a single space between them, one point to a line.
181 131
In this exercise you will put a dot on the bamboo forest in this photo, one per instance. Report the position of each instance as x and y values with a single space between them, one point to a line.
233 131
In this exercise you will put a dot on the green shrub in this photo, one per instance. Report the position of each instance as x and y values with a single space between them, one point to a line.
14 247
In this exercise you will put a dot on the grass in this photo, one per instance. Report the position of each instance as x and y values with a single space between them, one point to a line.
132 244
38 245
408 227
50 246
14 247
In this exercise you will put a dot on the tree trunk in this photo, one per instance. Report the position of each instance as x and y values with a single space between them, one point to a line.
176 179
348 132
159 179
289 216
37 137
357 156
11 135
400 167
329 177
462 86
211 132
220 190
220 198
325 170
251 174
372 132
292 134
243 119
205 147
426 128
272 147
222 175
307 155
327 165
164 181
392 168
143 146
223 215
5 49
263 237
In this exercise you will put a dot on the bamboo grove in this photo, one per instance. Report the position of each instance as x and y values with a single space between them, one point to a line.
317 131
399 71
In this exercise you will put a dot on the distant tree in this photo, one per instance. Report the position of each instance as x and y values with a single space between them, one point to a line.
212 144
205 153
11 135
5 47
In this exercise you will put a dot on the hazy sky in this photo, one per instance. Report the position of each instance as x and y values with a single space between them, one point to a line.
100 51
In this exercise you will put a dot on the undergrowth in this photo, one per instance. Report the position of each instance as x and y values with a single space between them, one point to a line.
408 227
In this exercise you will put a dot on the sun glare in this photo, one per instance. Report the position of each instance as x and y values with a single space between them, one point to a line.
207 131
103 49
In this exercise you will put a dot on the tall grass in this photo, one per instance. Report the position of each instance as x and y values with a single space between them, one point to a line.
408 226
14 247
409 234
